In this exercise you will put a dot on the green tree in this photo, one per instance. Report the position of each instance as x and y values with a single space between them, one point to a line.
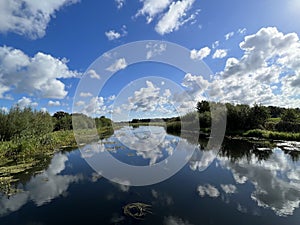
289 115
258 116
62 121
203 106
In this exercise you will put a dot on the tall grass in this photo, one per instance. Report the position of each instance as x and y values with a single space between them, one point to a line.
273 135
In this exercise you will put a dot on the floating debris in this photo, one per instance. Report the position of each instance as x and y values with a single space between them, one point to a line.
263 149
137 210
289 146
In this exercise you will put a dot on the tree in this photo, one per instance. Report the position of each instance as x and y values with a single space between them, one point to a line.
258 116
203 106
62 121
290 115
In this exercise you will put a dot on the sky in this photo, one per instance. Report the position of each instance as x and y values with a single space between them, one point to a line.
48 49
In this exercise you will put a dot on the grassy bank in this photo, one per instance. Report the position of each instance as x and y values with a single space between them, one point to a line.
273 135
175 127
20 158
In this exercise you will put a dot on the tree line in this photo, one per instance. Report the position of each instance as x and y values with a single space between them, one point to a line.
241 117
29 123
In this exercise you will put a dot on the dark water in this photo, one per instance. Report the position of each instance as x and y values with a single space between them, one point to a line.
246 183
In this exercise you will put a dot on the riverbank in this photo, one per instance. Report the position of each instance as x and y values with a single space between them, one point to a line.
31 155
257 133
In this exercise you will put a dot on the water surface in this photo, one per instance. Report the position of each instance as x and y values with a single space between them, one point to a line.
246 183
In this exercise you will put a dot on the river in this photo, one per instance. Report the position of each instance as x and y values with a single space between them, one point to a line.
243 183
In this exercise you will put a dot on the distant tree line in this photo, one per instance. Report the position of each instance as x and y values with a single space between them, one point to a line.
261 121
28 123
241 117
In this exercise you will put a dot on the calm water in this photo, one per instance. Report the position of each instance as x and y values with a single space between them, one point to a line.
246 183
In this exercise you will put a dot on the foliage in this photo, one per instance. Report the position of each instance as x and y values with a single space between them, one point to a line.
62 121
103 122
24 123
272 135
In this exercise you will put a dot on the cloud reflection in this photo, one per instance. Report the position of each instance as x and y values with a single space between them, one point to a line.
42 188
276 180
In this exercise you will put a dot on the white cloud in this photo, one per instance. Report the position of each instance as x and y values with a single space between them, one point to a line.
155 49
43 109
229 188
37 75
209 190
196 84
175 17
111 98
93 74
96 106
220 54
85 94
242 31
120 3
215 44
200 54
270 58
54 103
4 109
151 8
113 35
118 65
80 103
229 35
27 17
26 102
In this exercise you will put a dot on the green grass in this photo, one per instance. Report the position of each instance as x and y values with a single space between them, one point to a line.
272 135
274 120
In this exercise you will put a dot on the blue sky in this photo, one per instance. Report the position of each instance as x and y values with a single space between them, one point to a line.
251 47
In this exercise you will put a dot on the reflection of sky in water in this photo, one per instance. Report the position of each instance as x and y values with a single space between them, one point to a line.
141 146
245 189
41 189
276 181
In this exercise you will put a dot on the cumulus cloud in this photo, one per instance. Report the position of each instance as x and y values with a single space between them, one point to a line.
175 17
200 54
94 106
119 64
209 190
37 75
27 17
268 72
153 7
93 74
54 103
196 84
229 188
220 54
155 49
26 102
149 99
113 35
